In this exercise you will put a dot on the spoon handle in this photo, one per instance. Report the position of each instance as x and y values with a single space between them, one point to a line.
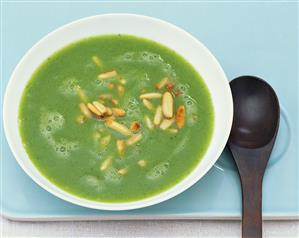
252 206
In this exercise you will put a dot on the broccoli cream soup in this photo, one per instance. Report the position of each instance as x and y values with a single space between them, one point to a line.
116 118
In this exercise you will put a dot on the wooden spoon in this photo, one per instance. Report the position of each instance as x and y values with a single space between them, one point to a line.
254 130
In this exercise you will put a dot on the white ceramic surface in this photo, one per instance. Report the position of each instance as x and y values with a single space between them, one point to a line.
173 37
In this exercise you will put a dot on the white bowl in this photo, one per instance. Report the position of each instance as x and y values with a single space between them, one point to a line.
167 34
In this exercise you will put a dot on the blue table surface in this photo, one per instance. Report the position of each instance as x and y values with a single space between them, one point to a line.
247 38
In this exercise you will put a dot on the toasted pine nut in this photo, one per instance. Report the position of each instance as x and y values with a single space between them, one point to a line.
142 163
118 127
162 83
134 139
158 116
107 75
93 109
118 112
110 85
148 122
120 145
169 87
166 123
100 107
135 126
121 90
84 109
109 111
122 81
173 130
105 140
167 105
96 61
81 94
105 96
150 95
123 171
148 104
180 116
106 163
114 101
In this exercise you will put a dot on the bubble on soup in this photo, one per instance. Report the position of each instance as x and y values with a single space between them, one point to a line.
64 147
70 145
95 156
68 86
133 108
192 118
158 171
128 56
183 88
167 66
145 56
191 109
61 151
168 70
50 122
133 103
99 82
102 153
92 182
112 176
190 103
51 140
150 58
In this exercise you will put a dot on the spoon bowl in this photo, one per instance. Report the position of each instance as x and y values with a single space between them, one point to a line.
256 112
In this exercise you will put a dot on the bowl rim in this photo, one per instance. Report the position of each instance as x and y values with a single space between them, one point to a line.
155 199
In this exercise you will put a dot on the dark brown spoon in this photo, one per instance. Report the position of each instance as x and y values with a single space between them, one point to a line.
254 130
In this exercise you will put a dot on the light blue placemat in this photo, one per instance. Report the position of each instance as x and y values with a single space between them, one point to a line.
247 38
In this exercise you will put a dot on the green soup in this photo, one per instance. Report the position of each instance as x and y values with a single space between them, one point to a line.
116 118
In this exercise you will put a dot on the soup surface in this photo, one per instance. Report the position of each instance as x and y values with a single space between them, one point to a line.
116 118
